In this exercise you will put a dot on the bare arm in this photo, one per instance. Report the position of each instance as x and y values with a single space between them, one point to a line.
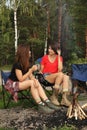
20 76
29 74
60 64
42 67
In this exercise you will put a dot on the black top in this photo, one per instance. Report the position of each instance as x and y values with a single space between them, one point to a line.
13 76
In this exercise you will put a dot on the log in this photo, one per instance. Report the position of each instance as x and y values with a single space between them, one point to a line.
84 106
76 111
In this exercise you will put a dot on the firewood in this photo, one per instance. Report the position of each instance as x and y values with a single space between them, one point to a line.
82 110
76 115
69 112
76 111
85 105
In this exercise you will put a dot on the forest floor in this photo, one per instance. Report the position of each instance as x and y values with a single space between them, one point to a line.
20 118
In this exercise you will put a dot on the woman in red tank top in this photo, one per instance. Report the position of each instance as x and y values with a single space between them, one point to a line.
51 67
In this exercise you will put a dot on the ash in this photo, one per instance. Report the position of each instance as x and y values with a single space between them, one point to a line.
31 119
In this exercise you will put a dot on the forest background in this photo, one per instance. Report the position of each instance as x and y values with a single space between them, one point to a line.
35 21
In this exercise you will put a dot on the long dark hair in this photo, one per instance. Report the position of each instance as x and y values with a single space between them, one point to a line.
22 56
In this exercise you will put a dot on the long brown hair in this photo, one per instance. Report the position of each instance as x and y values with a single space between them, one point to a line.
22 56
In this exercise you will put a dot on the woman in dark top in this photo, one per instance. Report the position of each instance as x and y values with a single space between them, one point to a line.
22 78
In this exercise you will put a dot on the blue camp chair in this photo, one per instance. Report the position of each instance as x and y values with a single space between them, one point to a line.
7 97
79 76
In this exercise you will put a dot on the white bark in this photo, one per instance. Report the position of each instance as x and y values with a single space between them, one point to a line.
45 49
15 26
14 4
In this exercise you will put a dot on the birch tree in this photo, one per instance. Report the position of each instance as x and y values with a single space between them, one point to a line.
14 4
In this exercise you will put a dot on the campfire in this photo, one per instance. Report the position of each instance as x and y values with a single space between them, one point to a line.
76 110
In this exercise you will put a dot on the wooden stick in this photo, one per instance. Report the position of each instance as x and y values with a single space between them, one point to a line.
85 105
76 111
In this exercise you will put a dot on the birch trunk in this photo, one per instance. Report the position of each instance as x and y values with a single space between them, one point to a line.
14 4
47 30
15 26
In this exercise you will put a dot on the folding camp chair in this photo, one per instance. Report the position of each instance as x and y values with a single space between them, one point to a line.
79 76
79 80
7 97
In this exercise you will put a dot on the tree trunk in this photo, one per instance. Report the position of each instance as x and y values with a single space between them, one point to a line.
86 43
47 30
59 22
15 25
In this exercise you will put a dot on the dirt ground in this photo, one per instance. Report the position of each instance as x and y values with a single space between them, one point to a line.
31 119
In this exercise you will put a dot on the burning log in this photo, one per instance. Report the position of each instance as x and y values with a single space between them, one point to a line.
85 105
75 110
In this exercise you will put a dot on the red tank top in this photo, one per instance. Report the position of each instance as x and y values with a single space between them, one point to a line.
50 67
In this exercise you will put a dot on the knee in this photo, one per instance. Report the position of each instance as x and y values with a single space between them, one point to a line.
66 77
60 74
31 82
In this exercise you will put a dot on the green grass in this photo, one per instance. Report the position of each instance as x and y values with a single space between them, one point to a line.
7 129
26 103
6 67
65 127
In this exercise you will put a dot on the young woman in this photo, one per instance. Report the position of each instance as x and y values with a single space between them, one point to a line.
51 67
21 78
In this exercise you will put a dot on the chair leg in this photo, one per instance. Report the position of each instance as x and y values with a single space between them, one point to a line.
48 91
6 98
3 97
28 97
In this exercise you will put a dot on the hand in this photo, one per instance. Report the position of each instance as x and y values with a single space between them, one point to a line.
36 83
38 67
59 52
34 68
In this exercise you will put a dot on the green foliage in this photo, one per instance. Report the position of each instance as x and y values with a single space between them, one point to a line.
6 37
32 18
75 60
6 67
36 45
65 127
78 12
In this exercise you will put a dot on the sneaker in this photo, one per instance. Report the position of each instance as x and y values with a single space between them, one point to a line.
45 109
52 106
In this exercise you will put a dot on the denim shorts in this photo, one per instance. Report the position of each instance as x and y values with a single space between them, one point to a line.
46 74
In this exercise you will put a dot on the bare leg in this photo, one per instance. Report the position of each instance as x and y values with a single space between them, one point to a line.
41 92
59 78
65 83
30 84
55 78
65 100
38 93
